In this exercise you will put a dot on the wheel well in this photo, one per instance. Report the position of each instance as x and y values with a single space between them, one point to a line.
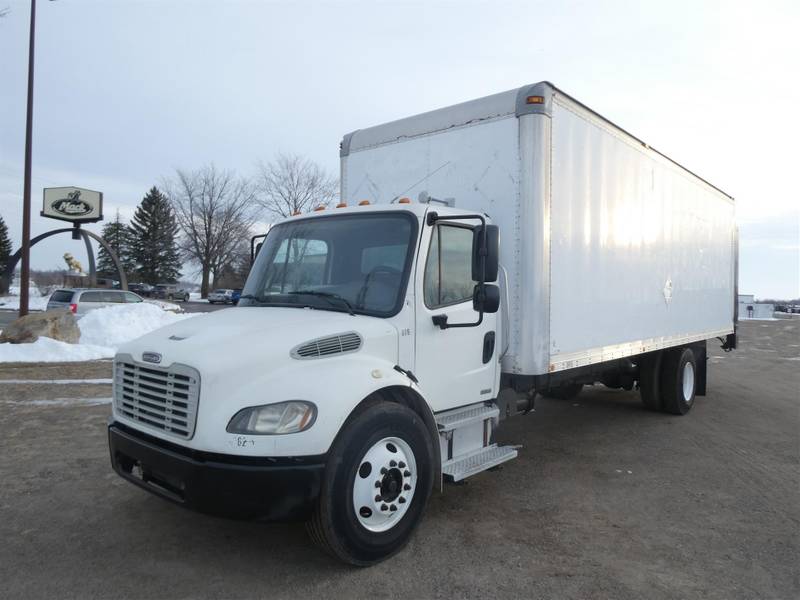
410 398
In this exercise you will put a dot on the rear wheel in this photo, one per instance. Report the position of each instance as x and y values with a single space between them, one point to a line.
649 380
678 381
377 483
564 392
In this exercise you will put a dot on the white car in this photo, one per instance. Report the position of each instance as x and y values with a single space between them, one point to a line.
221 296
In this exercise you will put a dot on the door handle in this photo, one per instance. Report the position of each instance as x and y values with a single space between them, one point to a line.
488 346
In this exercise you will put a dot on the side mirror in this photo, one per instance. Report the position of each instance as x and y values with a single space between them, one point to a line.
491 252
486 298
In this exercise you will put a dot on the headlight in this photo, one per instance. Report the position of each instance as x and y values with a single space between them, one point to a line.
274 419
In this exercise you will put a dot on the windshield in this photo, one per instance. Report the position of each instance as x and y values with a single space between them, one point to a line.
352 263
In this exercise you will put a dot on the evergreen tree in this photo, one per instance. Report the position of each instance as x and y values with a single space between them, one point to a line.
116 234
153 240
5 252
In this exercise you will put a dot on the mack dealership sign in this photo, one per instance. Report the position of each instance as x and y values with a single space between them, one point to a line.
73 204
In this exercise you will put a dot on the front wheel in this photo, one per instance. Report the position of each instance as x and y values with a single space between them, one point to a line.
377 482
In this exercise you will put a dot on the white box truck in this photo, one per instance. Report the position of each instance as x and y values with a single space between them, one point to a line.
378 344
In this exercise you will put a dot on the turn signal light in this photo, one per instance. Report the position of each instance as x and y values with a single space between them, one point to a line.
363 203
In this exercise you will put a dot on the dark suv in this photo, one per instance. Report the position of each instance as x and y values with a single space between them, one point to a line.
170 291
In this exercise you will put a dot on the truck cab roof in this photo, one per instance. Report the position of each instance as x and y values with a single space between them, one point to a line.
418 209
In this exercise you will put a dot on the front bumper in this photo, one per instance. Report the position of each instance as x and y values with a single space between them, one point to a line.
272 489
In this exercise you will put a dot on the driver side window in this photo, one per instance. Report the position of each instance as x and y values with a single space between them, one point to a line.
448 271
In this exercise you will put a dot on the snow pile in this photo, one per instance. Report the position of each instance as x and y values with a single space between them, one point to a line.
36 302
33 290
103 330
112 326
47 350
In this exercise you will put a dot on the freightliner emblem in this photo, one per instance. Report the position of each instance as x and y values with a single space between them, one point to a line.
151 357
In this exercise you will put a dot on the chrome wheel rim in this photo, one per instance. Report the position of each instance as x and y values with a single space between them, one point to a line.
688 382
384 484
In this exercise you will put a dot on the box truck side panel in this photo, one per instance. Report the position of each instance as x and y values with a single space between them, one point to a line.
477 165
641 250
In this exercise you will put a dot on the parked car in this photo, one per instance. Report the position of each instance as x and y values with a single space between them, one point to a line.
221 296
235 296
170 291
80 301
145 290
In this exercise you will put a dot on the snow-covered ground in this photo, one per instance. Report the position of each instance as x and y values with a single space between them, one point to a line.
36 302
102 331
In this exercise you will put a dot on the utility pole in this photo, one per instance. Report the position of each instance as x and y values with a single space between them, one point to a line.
25 278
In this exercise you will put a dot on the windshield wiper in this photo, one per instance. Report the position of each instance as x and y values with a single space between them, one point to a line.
328 296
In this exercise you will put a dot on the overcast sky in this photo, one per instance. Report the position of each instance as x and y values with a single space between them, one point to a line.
127 91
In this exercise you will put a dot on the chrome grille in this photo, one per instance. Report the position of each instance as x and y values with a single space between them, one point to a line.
327 346
164 399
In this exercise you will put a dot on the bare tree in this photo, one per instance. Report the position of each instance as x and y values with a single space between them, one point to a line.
215 210
290 184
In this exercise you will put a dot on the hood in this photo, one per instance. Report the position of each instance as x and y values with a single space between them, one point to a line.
213 341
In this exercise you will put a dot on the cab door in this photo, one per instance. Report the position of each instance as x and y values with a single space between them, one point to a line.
458 365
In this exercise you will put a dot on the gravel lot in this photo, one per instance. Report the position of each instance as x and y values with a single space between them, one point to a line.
605 501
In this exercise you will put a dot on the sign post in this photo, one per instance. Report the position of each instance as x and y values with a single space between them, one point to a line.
74 205
25 276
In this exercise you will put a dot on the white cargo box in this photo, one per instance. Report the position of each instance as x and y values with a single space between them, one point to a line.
611 248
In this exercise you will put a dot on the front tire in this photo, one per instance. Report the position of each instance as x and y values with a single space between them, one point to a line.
369 505
678 381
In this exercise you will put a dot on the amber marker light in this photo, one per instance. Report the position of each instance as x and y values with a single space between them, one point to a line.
363 203
341 205
404 201
534 100
319 208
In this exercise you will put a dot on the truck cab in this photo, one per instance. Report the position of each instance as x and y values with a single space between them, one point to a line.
359 367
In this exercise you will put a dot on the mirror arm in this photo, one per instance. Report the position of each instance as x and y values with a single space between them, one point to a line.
440 321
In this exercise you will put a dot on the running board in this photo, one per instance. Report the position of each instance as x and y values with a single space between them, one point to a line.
465 466
467 415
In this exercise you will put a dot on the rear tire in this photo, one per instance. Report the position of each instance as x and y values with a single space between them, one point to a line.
649 380
354 520
678 381
564 392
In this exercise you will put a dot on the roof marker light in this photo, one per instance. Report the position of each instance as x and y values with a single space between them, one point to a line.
341 205
295 213
404 201
319 208
363 203
534 100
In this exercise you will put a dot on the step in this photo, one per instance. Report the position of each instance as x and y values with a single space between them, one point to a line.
485 458
466 415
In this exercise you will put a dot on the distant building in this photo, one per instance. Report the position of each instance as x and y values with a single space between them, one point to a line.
750 309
